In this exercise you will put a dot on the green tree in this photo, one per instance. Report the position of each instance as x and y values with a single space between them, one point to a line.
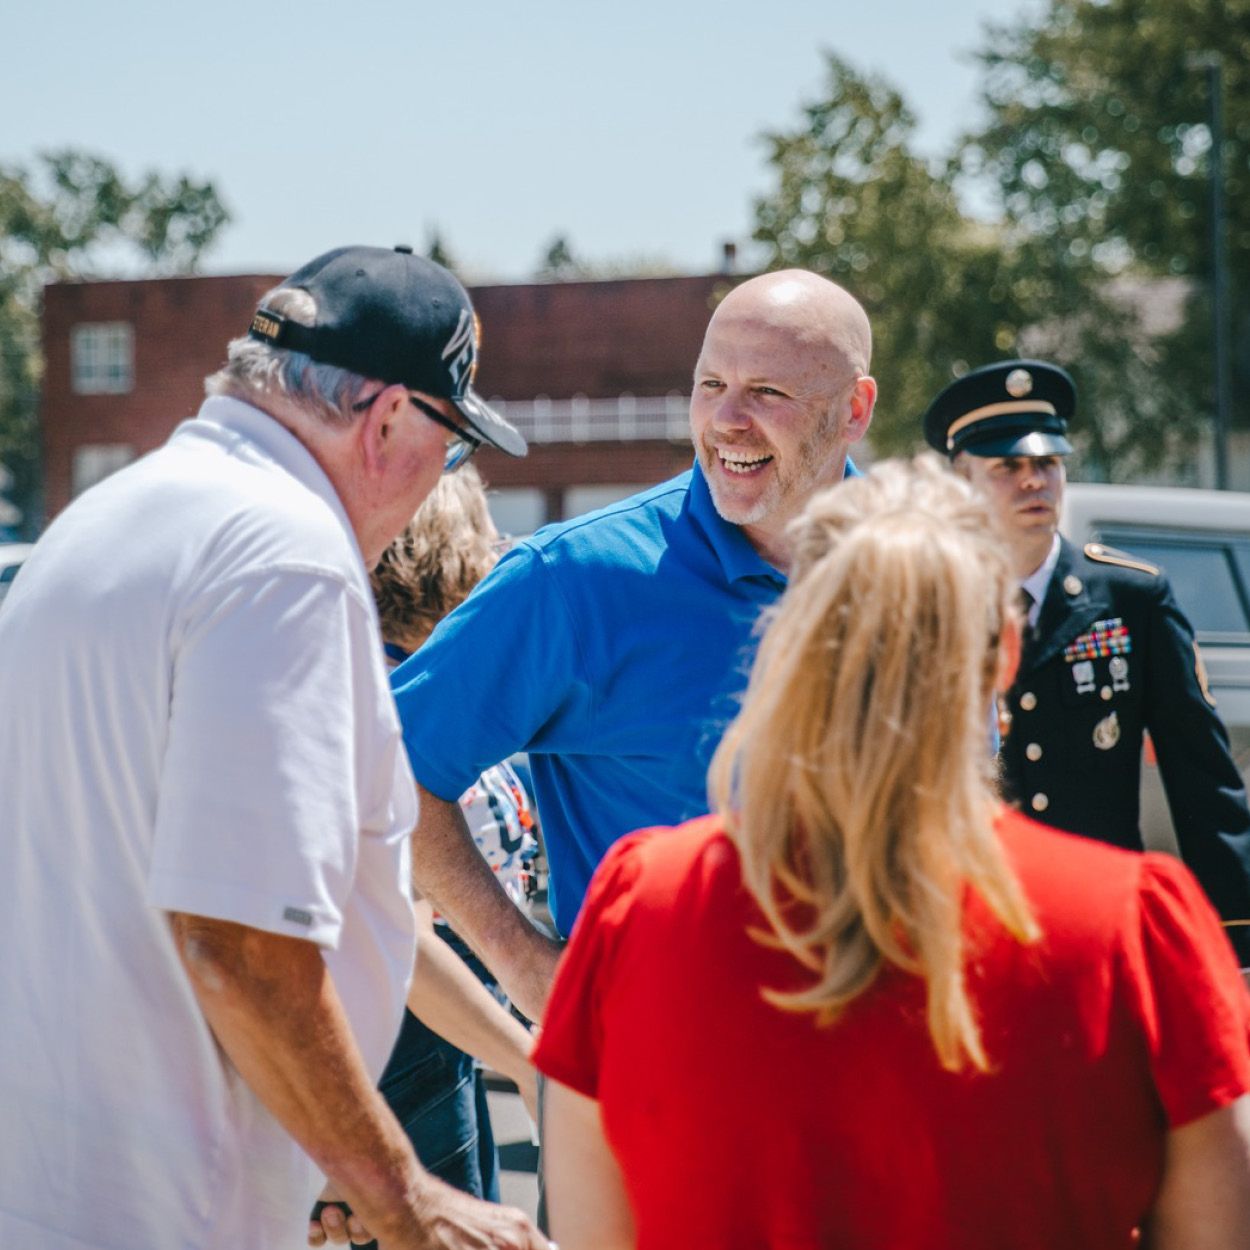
1099 146
853 201
436 250
69 216
559 264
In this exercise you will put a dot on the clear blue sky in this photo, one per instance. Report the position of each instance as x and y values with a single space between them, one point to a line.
632 129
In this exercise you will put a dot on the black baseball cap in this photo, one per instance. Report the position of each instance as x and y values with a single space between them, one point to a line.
1013 408
389 314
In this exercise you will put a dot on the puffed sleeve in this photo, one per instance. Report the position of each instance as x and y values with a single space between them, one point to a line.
570 1047
1186 992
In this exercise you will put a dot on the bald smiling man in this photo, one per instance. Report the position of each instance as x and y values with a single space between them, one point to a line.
613 647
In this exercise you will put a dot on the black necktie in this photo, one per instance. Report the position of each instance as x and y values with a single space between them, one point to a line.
1026 606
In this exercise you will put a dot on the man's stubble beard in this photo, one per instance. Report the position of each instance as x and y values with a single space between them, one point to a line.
788 488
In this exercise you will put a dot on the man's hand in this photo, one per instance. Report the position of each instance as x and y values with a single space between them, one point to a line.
451 1221
332 1220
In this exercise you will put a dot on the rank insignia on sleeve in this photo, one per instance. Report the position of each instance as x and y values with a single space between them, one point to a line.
1200 670
1110 637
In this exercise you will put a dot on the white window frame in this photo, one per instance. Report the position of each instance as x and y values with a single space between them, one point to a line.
102 358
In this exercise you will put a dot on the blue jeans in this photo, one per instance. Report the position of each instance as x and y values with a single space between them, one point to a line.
439 1096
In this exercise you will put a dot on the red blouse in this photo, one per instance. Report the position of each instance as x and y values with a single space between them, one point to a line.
737 1124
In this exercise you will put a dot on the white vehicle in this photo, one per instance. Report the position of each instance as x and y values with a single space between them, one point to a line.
1201 539
12 556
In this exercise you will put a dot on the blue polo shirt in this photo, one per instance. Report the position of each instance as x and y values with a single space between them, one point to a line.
614 648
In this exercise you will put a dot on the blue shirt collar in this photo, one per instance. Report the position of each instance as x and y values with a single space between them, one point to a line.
733 549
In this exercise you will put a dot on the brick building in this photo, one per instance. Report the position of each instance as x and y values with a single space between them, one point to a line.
596 374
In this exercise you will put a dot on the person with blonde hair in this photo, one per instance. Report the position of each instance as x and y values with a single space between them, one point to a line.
863 1004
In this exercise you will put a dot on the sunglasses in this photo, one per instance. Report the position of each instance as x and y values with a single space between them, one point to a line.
461 444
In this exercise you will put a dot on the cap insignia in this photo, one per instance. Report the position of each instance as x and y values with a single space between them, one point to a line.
1019 383
461 353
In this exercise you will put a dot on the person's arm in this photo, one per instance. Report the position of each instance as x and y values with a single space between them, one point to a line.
448 869
273 1008
585 1188
1204 1198
1206 794
446 996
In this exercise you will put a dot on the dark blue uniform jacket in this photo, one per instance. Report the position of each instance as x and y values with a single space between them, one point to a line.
1112 655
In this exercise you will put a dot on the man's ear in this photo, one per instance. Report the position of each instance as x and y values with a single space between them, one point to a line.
375 428
1010 642
863 399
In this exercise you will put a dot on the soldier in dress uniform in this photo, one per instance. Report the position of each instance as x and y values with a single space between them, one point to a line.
1108 653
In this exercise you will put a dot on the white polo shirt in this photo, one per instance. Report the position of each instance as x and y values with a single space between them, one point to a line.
194 716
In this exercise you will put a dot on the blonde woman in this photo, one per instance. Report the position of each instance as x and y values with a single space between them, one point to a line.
863 1005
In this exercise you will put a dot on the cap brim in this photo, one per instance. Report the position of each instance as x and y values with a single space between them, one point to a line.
1034 443
487 423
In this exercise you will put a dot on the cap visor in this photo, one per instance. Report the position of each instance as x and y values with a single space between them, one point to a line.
486 422
1031 444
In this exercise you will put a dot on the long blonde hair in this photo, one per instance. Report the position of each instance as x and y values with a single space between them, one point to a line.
858 778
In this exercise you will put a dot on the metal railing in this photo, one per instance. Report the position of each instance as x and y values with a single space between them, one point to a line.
624 419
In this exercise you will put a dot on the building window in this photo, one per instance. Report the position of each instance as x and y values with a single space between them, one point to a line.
93 462
102 354
517 510
580 499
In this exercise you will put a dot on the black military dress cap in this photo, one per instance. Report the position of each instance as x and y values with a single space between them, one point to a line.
390 315
1013 408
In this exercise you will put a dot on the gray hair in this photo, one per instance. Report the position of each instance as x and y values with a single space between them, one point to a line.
254 369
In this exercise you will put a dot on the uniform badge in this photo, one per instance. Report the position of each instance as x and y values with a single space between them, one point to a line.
1107 732
1119 672
1083 675
1072 584
1109 637
1019 383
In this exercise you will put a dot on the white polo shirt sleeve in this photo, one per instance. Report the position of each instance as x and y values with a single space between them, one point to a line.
270 777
